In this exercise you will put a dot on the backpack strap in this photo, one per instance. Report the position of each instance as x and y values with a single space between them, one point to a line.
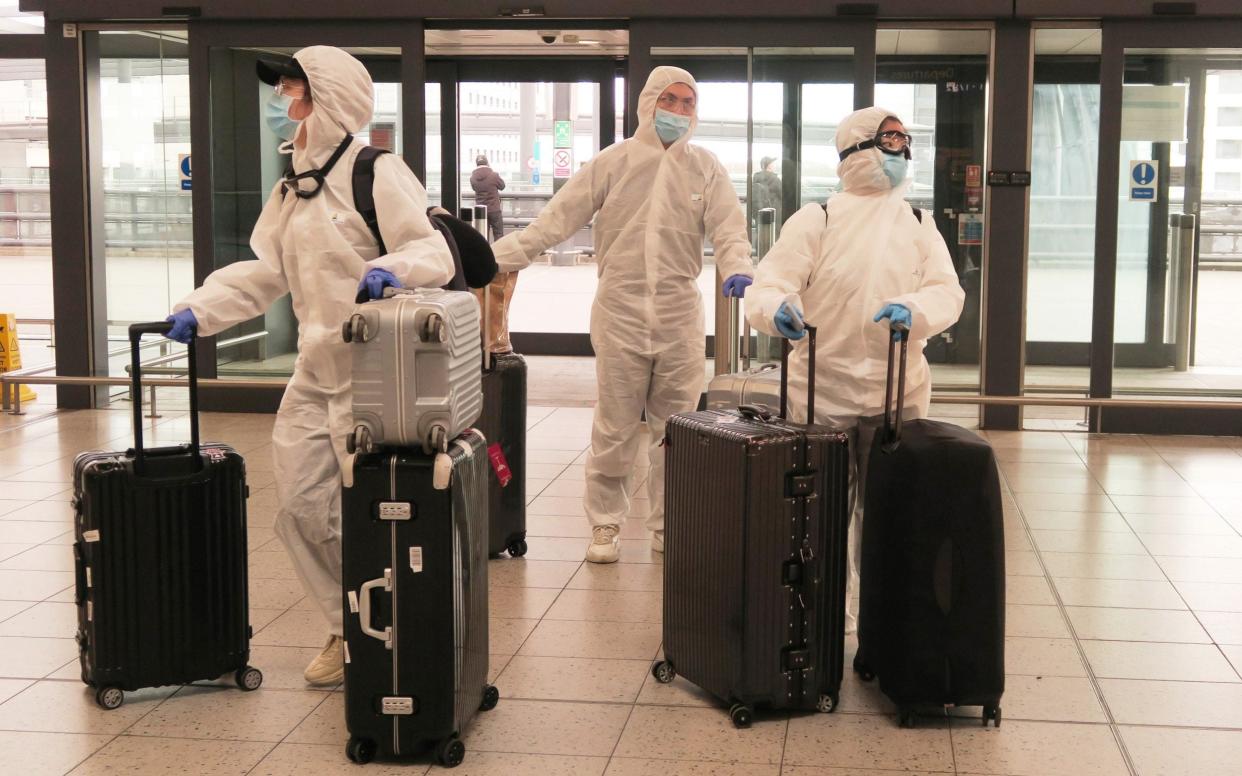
364 191
918 214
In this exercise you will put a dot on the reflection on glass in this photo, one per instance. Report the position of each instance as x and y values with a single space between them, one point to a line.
823 107
25 206
431 97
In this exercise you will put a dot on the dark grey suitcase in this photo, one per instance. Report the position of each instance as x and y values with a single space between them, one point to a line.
931 623
756 515
503 422
414 546
160 557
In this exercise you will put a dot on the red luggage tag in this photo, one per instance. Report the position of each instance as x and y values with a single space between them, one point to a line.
500 464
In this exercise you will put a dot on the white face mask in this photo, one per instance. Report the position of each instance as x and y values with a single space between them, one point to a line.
671 126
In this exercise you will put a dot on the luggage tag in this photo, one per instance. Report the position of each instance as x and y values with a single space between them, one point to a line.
500 464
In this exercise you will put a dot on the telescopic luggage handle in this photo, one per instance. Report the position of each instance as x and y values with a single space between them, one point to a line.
786 347
892 430
136 331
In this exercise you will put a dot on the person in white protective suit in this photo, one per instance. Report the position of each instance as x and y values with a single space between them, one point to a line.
864 266
654 197
310 242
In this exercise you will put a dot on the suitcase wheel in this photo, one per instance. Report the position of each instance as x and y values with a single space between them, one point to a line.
741 715
109 697
992 713
827 703
434 329
663 672
359 441
437 439
491 696
360 750
451 752
517 549
354 329
906 717
248 678
864 673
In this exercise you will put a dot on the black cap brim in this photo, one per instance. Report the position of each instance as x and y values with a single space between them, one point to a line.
271 70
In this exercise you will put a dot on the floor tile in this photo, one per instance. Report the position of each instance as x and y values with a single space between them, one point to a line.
1180 752
618 576
1175 704
1037 749
556 505
275 593
1226 570
866 741
625 766
29 491
561 457
546 471
69 707
535 488
505 636
573 679
42 557
539 525
560 549
1028 590
30 531
1022 564
329 760
323 724
523 572
1048 699
496 664
1233 653
1119 593
1147 660
10 609
1223 627
1211 596
1035 622
1173 486
10 550
1136 625
679 692
33 658
1065 485
271 564
44 512
700 734
1096 542
173 756
608 606
282 667
1209 525
520 602
46 753
574 638
1043 657
229 713
32 585
545 727
294 628
1061 502
11 687
1188 545
1077 521
564 488
47 620
1075 564
1161 505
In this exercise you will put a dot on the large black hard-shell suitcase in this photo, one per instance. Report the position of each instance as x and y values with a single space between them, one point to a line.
932 608
756 514
160 558
503 423
414 536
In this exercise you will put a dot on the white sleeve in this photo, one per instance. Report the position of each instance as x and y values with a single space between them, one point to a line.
785 271
417 253
243 289
938 302
725 222
570 209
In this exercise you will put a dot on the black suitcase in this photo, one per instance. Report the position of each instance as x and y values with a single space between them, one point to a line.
503 424
160 559
755 556
415 588
932 609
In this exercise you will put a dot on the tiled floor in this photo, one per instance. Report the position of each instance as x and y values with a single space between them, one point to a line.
1123 652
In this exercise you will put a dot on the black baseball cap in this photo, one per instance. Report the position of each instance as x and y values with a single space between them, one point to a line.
272 69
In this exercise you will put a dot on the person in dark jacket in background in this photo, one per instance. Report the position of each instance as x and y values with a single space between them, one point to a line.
487 185
767 187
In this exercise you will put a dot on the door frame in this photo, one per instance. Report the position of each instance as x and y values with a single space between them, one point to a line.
1118 36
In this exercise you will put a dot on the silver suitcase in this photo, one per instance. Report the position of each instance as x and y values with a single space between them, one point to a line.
417 375
758 386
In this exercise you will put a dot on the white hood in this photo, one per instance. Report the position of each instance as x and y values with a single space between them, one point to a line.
660 79
344 99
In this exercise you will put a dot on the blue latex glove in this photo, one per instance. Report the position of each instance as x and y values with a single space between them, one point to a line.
184 326
735 285
375 282
789 323
898 316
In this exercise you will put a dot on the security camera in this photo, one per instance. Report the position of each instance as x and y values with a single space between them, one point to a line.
549 36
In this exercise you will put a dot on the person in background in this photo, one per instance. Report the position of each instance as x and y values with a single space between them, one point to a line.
766 187
653 197
865 259
487 185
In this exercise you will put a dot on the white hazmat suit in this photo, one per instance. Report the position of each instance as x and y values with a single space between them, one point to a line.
652 208
319 249
840 269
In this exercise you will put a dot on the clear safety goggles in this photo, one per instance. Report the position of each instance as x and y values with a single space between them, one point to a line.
890 142
674 104
292 88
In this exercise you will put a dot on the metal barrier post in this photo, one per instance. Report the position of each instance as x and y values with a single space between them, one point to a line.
1182 273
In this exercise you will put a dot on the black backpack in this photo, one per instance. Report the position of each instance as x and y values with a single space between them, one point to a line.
473 261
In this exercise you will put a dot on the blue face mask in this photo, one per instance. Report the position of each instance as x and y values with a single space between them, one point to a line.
276 115
670 126
894 168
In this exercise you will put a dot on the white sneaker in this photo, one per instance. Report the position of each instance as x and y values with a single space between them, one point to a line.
329 667
657 541
605 545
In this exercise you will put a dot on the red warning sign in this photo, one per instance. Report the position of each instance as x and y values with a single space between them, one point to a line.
562 163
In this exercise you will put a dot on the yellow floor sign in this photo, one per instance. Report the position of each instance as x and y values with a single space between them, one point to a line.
10 351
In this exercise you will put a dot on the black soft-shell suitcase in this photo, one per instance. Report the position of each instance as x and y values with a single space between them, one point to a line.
932 609
160 556
414 536
756 514
503 423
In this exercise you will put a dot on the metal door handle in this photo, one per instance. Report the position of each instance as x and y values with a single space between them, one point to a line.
364 608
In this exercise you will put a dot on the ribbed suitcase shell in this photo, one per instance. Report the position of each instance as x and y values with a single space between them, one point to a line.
503 422
438 614
732 624
161 567
758 386
403 384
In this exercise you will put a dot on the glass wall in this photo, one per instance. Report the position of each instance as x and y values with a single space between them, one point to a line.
25 207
